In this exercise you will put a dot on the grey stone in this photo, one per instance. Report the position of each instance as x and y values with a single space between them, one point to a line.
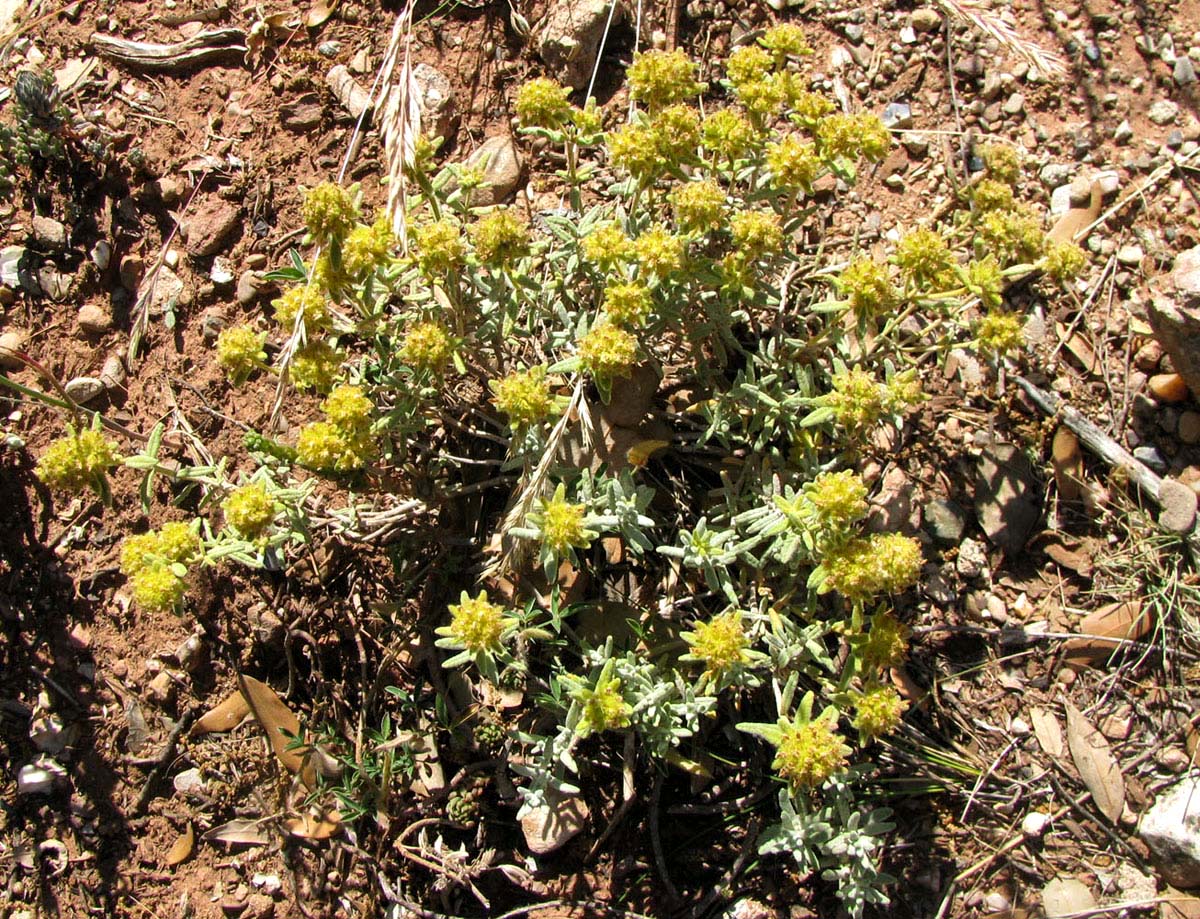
12 342
1063 897
1163 112
10 261
1007 496
898 115
925 19
853 32
553 824
348 91
501 163
570 37
161 690
1177 503
165 290
112 374
439 105
1188 428
1124 133
892 508
1130 256
53 283
211 226
302 114
101 254
917 145
1174 314
94 319
1151 457
212 323
1014 104
937 587
84 389
1171 830
222 272
972 559
49 232
1055 174
945 522
1060 200
41 777
1184 71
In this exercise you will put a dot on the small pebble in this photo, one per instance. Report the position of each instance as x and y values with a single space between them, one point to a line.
1151 457
1163 112
1035 824
84 389
1184 71
1168 387
1148 356
1178 507
1014 104
1188 427
12 342
1130 256
94 319
925 20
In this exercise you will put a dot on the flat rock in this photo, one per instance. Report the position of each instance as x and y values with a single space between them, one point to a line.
1163 112
925 19
302 114
165 289
349 91
972 559
1066 897
439 104
891 509
1171 829
49 232
12 342
211 226
1178 506
552 825
1174 314
1007 496
94 319
54 284
84 389
570 37
41 777
501 164
945 521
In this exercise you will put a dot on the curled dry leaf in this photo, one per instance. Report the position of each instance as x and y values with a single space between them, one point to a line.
1068 463
316 823
1096 764
1103 631
319 13
226 716
281 726
239 832
1070 226
1048 732
182 850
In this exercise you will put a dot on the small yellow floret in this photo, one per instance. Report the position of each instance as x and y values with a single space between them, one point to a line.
249 509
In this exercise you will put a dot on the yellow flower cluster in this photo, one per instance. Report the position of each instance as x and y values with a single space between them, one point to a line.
720 643
499 238
315 366
856 399
627 303
524 396
562 524
809 753
604 708
878 711
925 259
756 234
883 563
427 346
661 78
1064 261
866 284
699 206
476 623
794 163
985 280
343 442
728 134
658 251
152 562
367 248
249 509
607 351
853 136
78 461
1000 333
606 245
886 643
330 212
542 103
839 498
240 350
306 300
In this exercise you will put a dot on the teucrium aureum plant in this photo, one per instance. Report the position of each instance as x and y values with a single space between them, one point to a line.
680 255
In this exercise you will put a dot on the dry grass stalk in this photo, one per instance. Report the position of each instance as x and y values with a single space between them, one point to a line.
399 118
1046 62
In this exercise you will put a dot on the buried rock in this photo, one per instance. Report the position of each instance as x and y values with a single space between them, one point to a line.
1007 497
554 823
1171 829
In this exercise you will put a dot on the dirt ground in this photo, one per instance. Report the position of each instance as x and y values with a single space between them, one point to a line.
204 174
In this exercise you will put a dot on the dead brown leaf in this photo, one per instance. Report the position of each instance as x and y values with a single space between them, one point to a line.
1074 221
1178 905
239 832
315 823
182 850
319 13
1067 460
226 716
1119 621
1096 764
281 726
1048 732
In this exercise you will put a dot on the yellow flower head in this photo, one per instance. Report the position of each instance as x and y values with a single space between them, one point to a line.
658 251
627 303
793 163
249 509
315 366
720 643
607 351
606 245
924 258
327 448
524 396
699 206
563 525
427 347
542 103
348 408
862 569
878 711
305 299
240 350
865 283
809 753
660 78
78 461
886 643
604 708
329 212
477 623
728 134
499 238
367 248
756 234
439 246
1000 333
839 498
157 588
